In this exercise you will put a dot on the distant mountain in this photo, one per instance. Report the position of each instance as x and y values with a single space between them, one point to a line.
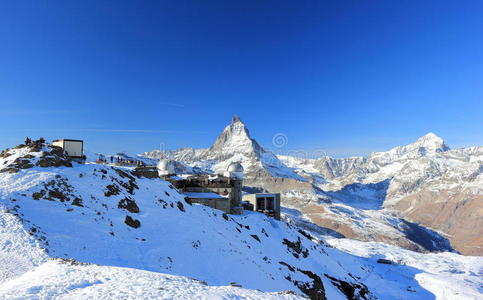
386 196
425 182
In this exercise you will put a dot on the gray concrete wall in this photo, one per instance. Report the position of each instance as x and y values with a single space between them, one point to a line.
236 194
221 204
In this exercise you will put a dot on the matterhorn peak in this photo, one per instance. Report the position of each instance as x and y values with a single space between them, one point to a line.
235 136
237 125
236 119
236 122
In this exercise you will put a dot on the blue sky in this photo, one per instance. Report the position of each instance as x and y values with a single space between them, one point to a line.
344 77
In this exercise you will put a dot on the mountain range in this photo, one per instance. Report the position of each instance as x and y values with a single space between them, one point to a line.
424 196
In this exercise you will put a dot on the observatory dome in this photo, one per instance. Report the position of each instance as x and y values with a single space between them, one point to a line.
166 166
235 167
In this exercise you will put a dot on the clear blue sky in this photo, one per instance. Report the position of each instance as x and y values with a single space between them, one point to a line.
347 77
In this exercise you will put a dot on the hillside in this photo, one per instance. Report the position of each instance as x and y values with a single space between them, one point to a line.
102 215
88 229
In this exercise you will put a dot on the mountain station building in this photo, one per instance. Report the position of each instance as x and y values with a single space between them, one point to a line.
73 148
268 204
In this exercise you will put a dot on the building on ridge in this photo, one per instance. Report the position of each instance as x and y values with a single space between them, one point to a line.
73 148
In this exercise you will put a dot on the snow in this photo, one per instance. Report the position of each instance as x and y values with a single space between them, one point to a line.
380 225
446 275
56 279
19 252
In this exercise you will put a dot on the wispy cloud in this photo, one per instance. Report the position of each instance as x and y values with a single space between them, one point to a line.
171 104
121 130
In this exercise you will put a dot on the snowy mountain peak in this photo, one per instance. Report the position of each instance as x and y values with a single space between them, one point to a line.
431 142
428 144
234 144
235 138
236 119
238 126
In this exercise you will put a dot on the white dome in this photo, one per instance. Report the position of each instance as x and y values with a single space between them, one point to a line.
235 167
165 167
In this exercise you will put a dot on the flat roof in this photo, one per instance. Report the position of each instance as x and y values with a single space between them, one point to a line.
68 140
262 194
204 195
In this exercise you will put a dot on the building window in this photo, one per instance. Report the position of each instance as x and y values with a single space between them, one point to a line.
261 203
270 202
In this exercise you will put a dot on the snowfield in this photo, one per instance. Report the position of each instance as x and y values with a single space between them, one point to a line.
57 279
446 275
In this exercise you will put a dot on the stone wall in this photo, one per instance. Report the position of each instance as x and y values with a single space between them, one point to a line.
148 172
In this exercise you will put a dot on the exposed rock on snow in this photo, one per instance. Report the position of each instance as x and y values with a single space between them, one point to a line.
34 154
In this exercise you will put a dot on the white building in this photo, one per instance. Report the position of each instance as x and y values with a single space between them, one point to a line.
73 148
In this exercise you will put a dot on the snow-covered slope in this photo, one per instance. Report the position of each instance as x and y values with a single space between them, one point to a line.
67 279
464 272
103 215
78 231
